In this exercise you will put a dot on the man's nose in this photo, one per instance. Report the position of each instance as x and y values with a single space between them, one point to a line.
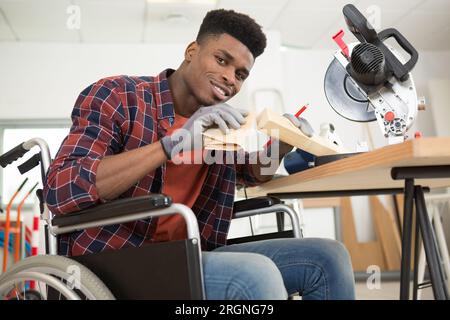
228 77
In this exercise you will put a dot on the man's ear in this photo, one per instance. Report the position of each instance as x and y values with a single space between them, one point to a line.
191 51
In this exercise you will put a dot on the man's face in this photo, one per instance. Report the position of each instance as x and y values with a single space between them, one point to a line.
217 68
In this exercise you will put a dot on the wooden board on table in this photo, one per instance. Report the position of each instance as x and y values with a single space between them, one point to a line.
277 126
371 170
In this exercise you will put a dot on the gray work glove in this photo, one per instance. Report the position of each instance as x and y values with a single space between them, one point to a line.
189 137
301 123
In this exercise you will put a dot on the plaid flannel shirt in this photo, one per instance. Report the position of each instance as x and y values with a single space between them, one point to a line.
118 114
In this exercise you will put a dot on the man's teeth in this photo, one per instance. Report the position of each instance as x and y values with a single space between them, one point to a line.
220 90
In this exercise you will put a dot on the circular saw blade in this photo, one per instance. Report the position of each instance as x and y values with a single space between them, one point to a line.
344 96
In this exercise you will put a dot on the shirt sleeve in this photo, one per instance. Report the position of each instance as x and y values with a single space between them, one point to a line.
95 133
244 172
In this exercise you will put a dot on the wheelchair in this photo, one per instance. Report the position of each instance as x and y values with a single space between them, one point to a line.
162 270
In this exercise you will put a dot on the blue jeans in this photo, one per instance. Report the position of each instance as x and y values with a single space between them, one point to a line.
273 269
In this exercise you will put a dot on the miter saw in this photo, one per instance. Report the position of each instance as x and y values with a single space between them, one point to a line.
368 81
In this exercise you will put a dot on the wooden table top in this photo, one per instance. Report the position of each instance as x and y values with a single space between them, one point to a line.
371 170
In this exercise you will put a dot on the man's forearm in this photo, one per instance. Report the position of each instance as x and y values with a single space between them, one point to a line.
117 173
264 171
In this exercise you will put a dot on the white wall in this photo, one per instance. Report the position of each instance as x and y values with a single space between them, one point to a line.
43 80
440 105
432 76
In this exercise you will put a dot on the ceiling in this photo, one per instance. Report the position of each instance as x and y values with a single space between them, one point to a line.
302 24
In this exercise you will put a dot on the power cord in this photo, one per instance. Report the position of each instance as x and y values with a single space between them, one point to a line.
249 218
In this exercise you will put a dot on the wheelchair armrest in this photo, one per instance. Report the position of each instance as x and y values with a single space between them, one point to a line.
113 209
265 205
255 203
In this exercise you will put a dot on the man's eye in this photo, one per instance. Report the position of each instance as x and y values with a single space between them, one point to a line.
240 76
220 60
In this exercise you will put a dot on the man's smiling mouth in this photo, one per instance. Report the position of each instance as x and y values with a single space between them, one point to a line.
221 91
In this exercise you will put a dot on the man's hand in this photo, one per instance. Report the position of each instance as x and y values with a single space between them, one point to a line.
189 137
300 123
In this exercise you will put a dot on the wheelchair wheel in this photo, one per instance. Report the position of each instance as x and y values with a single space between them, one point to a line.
52 277
29 294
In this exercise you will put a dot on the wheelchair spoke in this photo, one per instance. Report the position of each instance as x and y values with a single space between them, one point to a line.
40 290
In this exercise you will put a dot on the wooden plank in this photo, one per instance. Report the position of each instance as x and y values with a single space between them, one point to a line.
372 255
348 232
387 233
363 254
371 170
348 224
400 205
214 139
281 128
321 202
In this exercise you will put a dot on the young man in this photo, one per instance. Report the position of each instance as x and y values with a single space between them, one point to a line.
126 134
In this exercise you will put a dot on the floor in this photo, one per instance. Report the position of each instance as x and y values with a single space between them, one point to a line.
388 290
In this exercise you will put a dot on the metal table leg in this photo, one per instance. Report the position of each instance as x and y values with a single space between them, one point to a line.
416 256
405 269
429 243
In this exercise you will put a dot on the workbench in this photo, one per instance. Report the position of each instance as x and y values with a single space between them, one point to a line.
412 167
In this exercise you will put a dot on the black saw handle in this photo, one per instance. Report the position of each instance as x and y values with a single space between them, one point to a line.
406 45
365 32
358 24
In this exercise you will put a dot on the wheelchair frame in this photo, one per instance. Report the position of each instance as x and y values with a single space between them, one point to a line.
77 221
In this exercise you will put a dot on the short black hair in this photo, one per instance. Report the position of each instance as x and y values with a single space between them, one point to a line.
238 25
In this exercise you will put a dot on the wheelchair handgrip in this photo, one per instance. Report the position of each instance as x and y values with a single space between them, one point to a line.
13 154
254 203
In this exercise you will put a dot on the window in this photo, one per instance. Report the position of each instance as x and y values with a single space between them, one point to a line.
12 136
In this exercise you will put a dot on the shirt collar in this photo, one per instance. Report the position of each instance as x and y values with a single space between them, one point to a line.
164 100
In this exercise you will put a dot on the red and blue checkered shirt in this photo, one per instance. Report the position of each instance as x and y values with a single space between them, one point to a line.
118 114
